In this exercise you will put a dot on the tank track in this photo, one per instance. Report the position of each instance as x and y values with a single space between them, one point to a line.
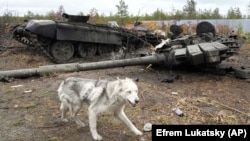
24 39
234 44
37 44
31 40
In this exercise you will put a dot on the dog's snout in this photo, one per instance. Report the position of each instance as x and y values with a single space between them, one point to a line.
137 101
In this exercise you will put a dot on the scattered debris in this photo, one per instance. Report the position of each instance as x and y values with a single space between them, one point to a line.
171 78
6 79
28 91
3 49
147 127
178 112
242 72
149 66
16 86
174 93
137 79
204 94
233 109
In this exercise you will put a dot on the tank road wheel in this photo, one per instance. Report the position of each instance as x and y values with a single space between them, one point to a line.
62 51
92 48
82 50
102 49
44 42
117 48
110 48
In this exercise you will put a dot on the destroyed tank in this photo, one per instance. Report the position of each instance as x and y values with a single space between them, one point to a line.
63 40
203 48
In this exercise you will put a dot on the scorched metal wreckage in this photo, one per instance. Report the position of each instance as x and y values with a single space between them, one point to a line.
62 41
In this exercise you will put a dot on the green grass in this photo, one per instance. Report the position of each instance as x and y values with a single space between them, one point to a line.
247 35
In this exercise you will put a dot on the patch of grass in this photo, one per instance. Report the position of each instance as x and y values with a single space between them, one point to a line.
247 35
25 58
54 139
103 119
9 90
30 105
44 92
161 119
18 123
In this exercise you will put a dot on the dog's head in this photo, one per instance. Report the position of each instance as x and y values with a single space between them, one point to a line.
125 90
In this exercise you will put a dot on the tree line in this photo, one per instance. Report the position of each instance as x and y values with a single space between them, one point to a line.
189 11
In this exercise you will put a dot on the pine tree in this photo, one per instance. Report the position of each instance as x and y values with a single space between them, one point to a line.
122 11
190 9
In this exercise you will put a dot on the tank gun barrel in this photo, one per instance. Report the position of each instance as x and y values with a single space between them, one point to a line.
73 67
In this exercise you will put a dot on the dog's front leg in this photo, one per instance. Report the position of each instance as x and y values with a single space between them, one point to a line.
92 125
122 116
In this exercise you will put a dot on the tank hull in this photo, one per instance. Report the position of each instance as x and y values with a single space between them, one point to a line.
88 33
81 32
62 41
45 28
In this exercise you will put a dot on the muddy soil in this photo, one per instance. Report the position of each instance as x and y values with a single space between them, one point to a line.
29 108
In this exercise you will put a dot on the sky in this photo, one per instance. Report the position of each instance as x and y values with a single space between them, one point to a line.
135 7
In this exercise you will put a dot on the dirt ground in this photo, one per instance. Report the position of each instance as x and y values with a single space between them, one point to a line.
29 108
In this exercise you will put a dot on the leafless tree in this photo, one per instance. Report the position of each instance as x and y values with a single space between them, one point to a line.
59 13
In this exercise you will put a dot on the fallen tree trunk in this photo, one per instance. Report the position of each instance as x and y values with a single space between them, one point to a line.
74 67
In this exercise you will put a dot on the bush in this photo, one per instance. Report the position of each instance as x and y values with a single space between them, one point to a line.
247 35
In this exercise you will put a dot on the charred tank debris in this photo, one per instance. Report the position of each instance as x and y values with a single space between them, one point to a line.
62 41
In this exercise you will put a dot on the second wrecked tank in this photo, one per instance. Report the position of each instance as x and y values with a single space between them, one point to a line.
204 47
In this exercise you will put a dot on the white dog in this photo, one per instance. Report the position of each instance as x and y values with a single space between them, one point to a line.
101 95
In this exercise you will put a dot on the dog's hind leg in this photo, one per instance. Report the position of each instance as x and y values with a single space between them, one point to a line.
122 116
75 111
64 110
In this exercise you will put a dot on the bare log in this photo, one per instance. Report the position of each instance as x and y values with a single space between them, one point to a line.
73 67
